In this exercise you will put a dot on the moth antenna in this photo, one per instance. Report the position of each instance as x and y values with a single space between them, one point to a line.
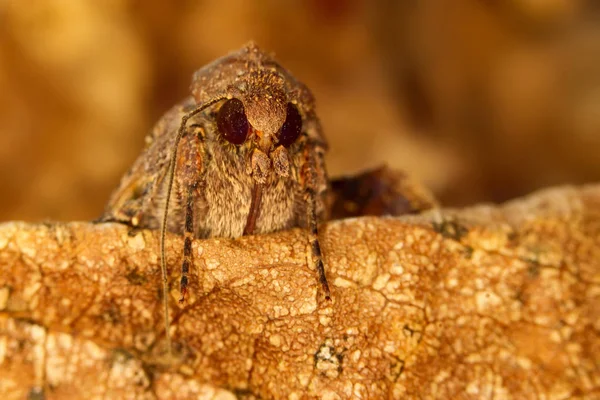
163 228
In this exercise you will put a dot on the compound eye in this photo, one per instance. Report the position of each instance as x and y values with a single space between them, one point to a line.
291 128
232 121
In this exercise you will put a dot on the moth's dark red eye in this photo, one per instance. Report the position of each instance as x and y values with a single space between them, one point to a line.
291 128
232 121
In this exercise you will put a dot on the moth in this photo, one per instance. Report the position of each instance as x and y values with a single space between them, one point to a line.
244 154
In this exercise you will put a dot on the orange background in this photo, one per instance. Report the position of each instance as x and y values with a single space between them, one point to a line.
479 100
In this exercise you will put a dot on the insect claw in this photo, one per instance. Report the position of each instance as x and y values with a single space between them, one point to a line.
183 293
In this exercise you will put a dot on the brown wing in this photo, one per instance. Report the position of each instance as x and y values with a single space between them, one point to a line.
381 191
139 199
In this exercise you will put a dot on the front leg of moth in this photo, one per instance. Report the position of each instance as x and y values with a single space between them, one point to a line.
188 235
310 189
189 172
190 178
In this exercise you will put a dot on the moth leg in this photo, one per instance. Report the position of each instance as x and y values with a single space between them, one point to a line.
187 244
311 193
189 171
163 227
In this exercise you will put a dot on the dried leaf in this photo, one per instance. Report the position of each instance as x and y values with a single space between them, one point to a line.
482 302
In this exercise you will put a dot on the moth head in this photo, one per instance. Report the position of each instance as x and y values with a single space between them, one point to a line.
262 107
281 126
270 122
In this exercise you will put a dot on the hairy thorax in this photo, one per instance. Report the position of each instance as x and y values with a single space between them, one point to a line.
228 198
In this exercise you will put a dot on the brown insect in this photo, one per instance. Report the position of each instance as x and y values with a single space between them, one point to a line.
244 154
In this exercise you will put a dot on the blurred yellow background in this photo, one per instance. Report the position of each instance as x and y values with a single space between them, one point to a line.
480 100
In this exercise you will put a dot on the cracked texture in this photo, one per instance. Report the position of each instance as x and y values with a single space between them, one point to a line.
483 302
